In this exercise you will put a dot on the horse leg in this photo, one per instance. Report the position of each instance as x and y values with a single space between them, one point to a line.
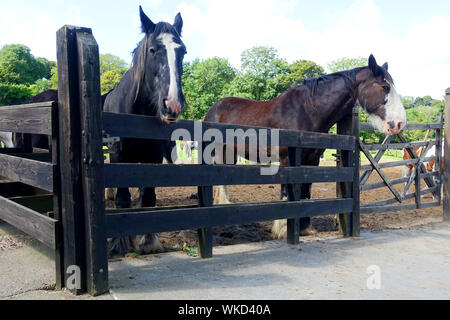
220 194
279 227
306 228
149 243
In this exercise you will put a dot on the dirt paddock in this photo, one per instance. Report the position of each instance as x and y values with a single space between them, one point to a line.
263 193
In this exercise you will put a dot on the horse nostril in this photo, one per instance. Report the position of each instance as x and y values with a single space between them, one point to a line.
399 125
391 124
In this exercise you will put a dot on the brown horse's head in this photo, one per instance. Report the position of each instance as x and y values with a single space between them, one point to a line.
377 95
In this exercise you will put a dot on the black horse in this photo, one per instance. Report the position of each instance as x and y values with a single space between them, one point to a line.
151 87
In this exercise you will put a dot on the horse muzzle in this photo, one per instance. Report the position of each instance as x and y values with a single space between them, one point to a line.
173 109
394 126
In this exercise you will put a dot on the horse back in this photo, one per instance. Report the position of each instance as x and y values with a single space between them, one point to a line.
241 111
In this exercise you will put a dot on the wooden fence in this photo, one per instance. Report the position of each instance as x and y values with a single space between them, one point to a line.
419 173
58 197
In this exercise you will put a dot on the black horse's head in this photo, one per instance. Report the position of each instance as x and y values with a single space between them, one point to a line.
377 95
158 65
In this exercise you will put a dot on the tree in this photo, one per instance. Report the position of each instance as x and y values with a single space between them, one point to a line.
39 86
205 82
299 71
261 76
19 66
109 80
14 94
346 64
109 62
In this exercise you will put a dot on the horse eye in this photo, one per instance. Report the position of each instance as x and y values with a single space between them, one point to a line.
386 88
152 51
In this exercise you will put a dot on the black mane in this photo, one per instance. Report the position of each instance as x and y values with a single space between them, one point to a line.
349 77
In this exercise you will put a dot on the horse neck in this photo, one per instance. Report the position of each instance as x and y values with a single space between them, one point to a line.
336 109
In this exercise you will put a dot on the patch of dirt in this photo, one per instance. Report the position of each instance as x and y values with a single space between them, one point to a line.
261 231
9 242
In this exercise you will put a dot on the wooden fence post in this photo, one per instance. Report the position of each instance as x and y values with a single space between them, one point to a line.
93 179
59 250
205 199
294 194
71 211
446 175
349 223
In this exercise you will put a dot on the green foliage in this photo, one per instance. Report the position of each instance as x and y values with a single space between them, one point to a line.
300 70
109 80
261 76
346 64
205 82
54 77
112 69
14 94
19 66
109 62
39 86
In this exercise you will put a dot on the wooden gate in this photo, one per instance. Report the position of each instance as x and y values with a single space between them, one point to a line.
400 187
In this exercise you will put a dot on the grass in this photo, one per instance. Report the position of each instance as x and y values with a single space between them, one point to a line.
388 155
190 251
328 155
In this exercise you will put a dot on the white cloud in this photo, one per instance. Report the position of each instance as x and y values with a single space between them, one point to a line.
419 61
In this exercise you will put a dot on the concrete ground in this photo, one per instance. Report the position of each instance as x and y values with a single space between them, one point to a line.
406 264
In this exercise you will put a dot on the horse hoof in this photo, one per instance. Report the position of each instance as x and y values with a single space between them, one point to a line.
279 229
308 231
110 193
146 244
142 244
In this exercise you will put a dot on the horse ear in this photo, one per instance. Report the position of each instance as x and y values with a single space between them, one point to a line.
385 66
178 24
146 24
373 64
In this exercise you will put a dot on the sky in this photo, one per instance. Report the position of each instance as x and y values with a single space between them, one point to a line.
411 35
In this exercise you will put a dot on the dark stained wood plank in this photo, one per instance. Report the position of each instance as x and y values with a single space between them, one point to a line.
26 119
136 175
356 215
92 174
121 224
31 172
136 126
446 175
31 222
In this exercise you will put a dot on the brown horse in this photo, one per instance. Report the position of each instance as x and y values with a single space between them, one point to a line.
316 106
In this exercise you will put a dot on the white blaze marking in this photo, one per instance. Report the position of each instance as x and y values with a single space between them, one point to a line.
394 106
394 110
167 40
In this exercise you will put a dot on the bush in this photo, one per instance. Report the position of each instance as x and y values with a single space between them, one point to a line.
14 94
